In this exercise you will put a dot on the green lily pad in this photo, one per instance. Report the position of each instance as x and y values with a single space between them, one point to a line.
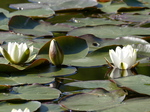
57 71
22 78
11 37
105 84
134 3
31 105
13 68
51 107
95 58
130 17
69 45
94 100
131 105
78 22
109 31
95 42
25 6
28 26
32 92
25 25
137 83
44 12
3 22
66 4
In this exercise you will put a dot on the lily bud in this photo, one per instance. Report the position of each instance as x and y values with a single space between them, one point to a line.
56 54
123 58
17 53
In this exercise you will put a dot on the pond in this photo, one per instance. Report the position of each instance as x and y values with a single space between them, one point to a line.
75 55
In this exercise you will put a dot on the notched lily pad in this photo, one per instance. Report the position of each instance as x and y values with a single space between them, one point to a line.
32 92
31 105
94 100
105 84
137 83
132 105
73 48
26 25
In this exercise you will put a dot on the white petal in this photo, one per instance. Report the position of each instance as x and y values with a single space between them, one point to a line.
114 57
20 110
14 110
31 49
26 110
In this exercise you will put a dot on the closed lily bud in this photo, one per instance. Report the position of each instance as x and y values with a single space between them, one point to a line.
123 58
19 110
56 54
17 53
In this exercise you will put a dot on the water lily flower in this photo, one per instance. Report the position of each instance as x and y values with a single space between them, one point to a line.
56 54
19 110
17 53
123 58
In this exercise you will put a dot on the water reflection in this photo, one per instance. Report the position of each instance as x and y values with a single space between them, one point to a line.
117 73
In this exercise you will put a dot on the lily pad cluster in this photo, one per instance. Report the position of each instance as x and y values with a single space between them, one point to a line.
67 68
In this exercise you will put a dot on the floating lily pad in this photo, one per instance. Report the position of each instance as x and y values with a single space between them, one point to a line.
28 26
91 22
105 84
44 12
32 92
11 37
51 107
67 4
131 105
109 31
57 71
23 78
3 22
12 68
31 105
137 83
73 48
95 42
94 100
130 17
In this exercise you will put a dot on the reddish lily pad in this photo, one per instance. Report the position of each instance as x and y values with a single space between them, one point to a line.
13 68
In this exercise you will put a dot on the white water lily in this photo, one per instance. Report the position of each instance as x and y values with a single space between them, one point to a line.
56 54
17 53
123 58
19 110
